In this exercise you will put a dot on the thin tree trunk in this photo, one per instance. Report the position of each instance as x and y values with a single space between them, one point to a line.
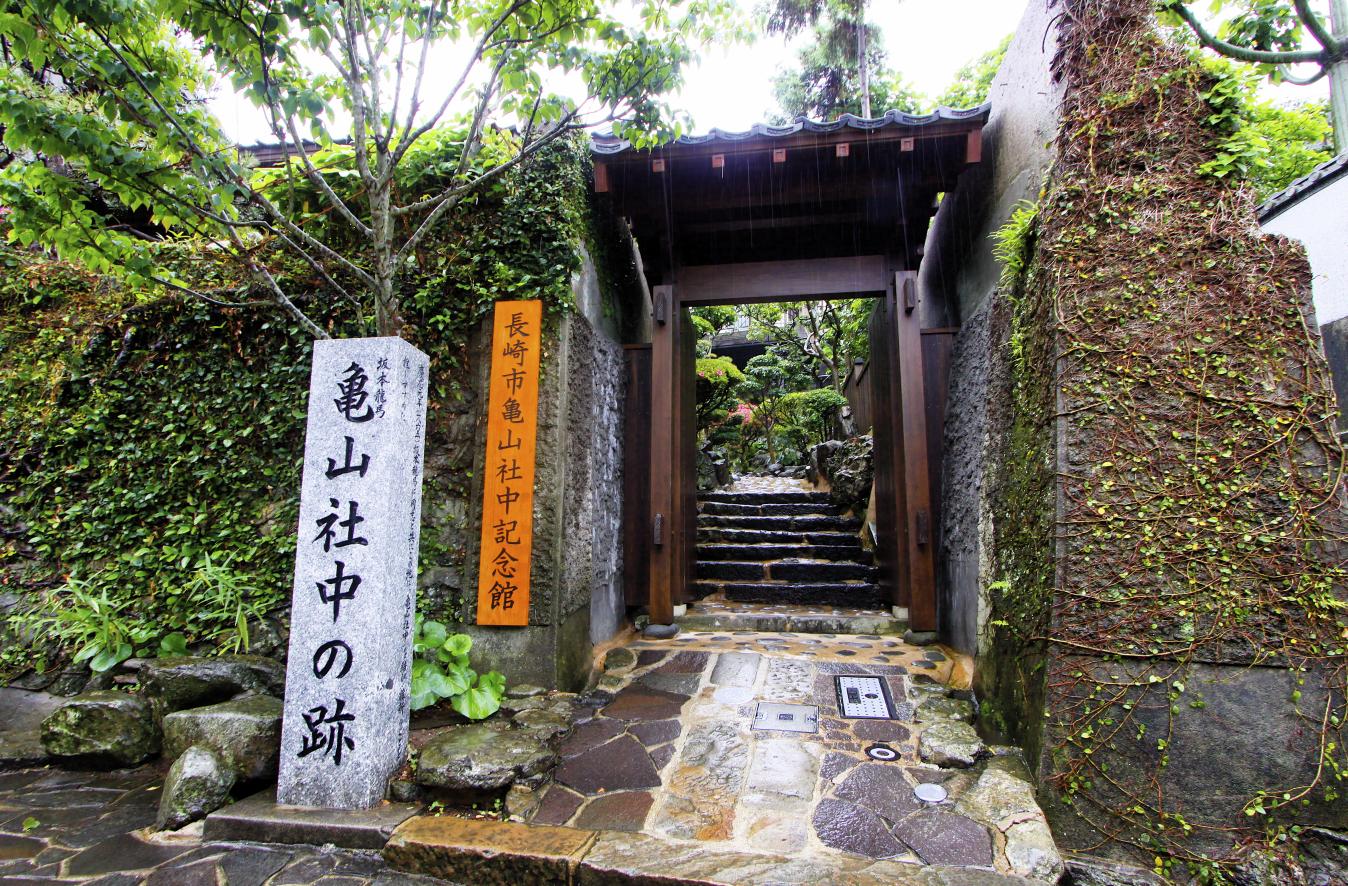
862 66
1338 78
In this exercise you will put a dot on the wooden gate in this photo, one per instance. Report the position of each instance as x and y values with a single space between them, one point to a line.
904 520
903 478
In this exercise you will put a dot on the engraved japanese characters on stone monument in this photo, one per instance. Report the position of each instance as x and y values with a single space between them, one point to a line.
348 677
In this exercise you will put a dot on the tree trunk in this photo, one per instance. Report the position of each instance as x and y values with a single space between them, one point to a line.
1338 78
862 66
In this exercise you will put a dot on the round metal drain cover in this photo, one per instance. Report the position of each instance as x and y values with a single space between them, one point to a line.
882 752
930 793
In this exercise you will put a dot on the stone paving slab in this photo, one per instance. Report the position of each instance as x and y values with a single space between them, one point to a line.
75 827
816 802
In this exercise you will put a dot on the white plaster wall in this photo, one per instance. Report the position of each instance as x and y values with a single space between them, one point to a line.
1320 222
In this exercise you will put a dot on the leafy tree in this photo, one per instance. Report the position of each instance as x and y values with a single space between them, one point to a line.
842 70
974 80
718 379
1267 145
767 379
708 322
807 416
1271 34
101 100
828 335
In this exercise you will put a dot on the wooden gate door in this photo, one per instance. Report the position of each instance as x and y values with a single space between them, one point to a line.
636 475
904 521
672 468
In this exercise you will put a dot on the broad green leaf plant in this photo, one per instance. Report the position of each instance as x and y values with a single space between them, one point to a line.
111 148
441 670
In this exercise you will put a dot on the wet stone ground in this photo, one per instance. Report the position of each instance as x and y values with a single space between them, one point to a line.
81 827
674 756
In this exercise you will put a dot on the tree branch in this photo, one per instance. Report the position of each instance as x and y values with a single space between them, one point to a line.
1256 56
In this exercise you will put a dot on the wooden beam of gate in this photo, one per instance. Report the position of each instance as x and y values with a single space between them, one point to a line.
918 538
662 531
750 282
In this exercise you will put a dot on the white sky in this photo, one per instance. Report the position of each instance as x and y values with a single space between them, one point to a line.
731 88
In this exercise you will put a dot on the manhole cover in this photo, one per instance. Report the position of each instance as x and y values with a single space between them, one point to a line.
787 717
882 752
863 698
930 793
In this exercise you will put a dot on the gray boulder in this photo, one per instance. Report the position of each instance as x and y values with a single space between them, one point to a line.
245 734
851 470
21 727
478 758
951 743
104 728
179 683
197 785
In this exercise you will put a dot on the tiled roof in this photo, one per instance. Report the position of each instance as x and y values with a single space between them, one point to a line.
610 144
1303 187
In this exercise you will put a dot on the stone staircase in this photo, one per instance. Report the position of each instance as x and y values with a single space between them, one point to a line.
782 547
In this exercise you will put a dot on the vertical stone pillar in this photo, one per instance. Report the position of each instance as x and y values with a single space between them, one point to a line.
348 676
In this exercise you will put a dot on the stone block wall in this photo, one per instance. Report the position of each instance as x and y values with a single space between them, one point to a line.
1154 712
960 275
576 597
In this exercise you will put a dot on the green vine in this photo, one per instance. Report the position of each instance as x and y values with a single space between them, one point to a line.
1161 345
148 437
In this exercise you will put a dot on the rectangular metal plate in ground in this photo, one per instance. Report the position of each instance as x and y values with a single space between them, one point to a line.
787 717
863 698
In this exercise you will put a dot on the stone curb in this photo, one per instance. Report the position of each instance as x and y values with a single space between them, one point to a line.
500 853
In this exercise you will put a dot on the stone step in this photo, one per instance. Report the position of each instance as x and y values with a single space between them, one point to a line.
775 509
762 537
763 553
781 524
857 594
763 498
796 620
461 850
786 570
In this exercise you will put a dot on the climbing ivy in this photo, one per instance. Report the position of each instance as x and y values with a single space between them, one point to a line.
149 437
1171 488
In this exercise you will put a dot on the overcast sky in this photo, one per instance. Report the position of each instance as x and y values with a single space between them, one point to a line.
927 40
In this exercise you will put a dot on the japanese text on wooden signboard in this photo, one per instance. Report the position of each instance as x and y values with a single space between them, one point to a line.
508 484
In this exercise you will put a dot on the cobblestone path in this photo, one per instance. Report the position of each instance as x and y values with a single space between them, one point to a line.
85 827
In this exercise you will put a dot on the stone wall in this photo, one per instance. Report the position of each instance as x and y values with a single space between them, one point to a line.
1154 643
576 597
960 274
1026 579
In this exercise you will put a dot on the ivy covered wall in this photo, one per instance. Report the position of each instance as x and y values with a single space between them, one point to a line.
1165 489
150 464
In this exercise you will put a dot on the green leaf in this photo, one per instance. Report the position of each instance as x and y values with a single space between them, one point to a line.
107 660
172 645
477 703
458 644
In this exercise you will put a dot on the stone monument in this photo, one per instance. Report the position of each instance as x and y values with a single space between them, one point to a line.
348 678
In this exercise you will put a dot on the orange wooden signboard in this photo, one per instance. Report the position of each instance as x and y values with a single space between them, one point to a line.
508 487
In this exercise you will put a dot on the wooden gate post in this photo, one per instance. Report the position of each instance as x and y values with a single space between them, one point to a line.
915 507
662 529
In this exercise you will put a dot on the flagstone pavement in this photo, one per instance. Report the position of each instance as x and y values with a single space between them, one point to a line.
667 763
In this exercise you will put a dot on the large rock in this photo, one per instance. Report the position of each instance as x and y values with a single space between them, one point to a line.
850 470
479 758
197 785
245 734
951 743
104 728
179 683
21 726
